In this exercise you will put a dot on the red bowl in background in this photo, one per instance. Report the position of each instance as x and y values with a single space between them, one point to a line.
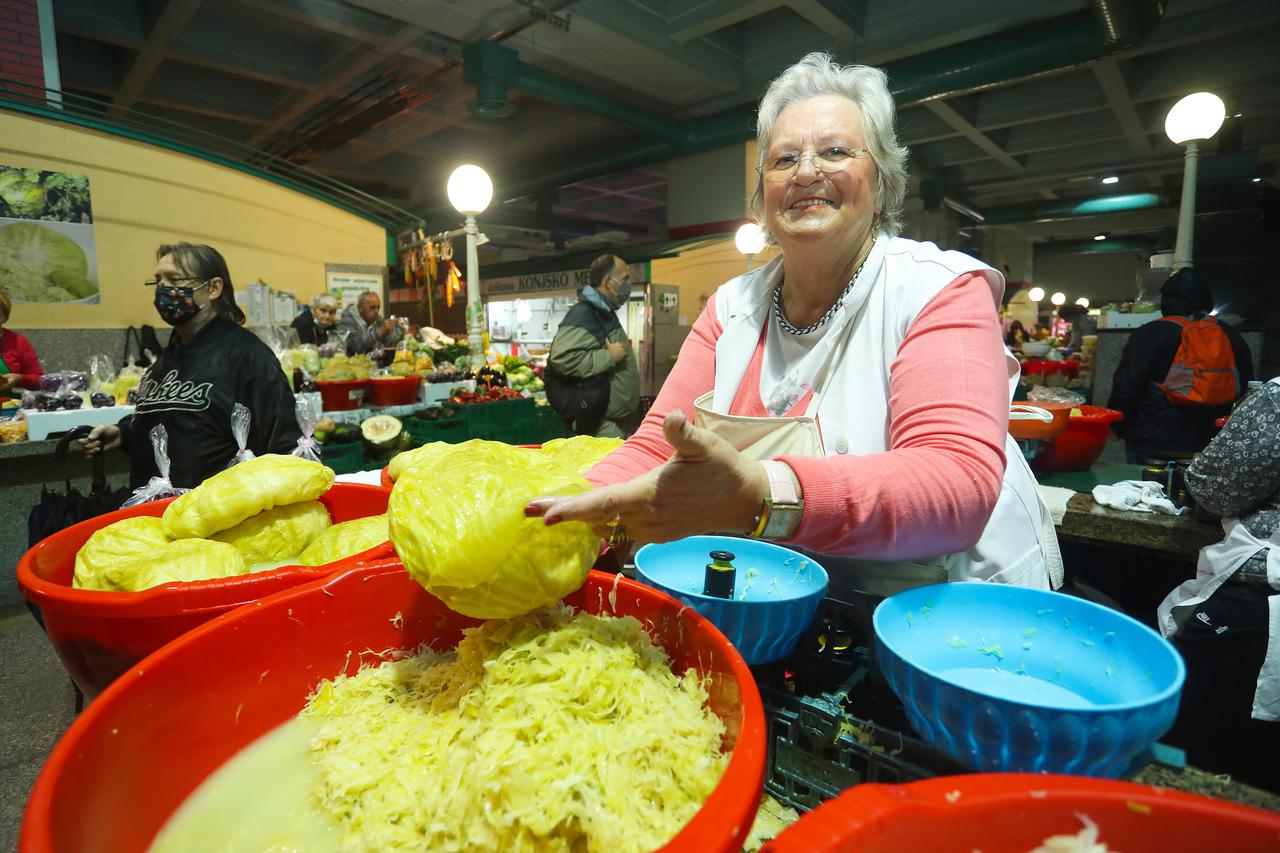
394 390
1015 812
343 396
128 762
1080 444
98 635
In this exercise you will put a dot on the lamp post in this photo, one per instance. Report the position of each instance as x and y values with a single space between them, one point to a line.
1192 119
750 241
470 192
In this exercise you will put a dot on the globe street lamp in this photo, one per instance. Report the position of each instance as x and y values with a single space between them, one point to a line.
470 192
1036 294
1083 302
750 241
1192 119
1058 298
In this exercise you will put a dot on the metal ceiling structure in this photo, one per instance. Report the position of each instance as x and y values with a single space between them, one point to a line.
573 105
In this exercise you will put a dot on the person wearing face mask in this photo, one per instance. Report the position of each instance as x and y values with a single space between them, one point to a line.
592 378
314 324
851 396
210 363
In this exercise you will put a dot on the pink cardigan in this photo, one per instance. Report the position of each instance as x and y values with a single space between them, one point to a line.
933 491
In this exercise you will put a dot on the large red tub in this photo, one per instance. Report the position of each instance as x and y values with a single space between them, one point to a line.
98 635
1015 812
150 739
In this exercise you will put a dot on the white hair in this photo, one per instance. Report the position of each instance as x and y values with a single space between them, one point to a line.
868 88
324 300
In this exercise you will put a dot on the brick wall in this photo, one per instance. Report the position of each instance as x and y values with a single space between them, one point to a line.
20 53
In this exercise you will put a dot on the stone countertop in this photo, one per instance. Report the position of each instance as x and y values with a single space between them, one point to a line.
19 449
1195 781
1180 536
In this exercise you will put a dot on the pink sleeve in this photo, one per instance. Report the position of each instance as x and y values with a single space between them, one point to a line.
693 376
933 491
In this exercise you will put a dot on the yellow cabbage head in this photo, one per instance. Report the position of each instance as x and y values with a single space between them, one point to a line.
581 452
277 534
229 497
434 455
127 538
345 539
464 535
182 560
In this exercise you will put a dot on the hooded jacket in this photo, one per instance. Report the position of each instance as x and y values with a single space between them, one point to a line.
1151 423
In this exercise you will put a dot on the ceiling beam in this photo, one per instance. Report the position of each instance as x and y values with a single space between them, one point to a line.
1116 90
967 129
704 18
351 65
172 21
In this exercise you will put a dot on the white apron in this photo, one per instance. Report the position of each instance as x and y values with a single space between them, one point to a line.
1019 502
1217 563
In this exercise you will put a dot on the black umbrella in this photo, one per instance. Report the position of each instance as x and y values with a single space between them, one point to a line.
57 511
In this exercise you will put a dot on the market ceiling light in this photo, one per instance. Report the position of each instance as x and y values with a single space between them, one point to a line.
1083 302
1058 298
749 239
1195 117
1099 236
470 189
1035 294
1111 179
1257 180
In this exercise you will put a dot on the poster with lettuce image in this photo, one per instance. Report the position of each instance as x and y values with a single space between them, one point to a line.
48 261
48 196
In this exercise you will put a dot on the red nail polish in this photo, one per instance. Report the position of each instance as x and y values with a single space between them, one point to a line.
533 510
552 520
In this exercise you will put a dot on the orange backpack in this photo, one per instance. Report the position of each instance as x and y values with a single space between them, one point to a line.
1203 372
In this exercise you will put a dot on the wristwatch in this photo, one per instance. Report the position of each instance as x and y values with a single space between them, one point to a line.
780 514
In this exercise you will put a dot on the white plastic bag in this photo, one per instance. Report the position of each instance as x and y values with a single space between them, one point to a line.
157 487
240 419
308 447
1051 394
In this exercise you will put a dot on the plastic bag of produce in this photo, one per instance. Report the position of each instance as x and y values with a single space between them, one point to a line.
307 447
240 420
159 486
229 497
124 540
461 531
1051 394
345 540
277 534
427 455
183 560
580 453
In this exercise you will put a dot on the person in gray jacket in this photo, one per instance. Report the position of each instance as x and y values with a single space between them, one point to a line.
366 329
591 342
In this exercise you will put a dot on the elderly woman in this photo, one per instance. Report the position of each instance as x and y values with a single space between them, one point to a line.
849 398
313 326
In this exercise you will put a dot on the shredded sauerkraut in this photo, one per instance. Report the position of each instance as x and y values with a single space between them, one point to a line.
554 732
1084 841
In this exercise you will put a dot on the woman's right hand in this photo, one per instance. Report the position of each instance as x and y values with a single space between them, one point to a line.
102 437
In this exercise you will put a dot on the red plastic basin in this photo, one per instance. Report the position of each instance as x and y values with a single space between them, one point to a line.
394 391
1015 812
1080 444
150 739
98 635
343 396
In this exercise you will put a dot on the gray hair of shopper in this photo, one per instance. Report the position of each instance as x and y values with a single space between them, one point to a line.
324 300
819 74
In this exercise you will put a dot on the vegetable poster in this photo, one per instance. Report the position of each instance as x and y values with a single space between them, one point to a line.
47 252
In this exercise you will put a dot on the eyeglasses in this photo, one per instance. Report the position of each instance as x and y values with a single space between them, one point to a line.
171 282
829 160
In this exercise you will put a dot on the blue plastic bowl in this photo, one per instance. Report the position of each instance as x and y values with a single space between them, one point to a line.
1004 678
775 598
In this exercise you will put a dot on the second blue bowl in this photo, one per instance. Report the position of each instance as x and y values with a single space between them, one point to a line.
776 596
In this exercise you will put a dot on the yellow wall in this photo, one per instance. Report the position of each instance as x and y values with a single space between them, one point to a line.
698 272
143 196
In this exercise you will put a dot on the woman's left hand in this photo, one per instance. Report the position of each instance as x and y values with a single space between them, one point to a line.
706 487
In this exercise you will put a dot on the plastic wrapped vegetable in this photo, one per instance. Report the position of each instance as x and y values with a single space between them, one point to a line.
431 455
160 486
307 416
462 532
345 540
124 540
183 560
277 534
240 420
580 453
229 497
